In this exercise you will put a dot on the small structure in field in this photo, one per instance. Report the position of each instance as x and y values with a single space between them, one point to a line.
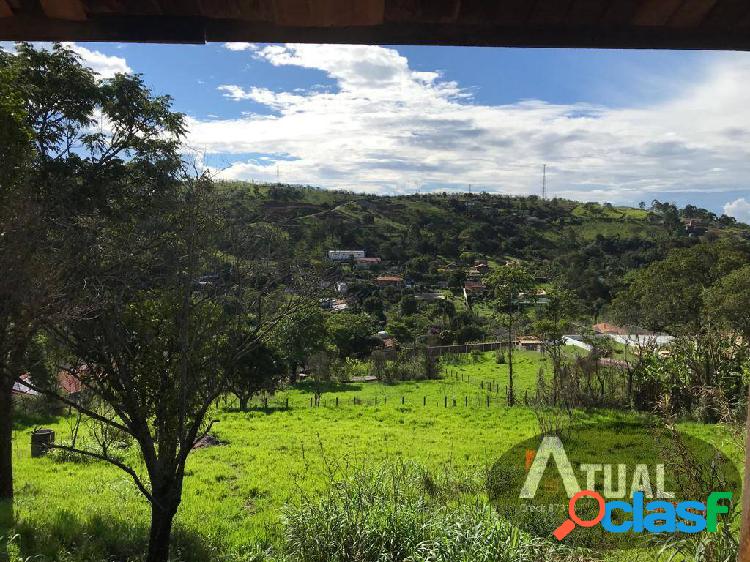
529 343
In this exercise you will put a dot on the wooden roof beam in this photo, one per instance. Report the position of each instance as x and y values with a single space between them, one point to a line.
72 10
5 10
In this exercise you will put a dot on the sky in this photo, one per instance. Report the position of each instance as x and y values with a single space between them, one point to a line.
611 125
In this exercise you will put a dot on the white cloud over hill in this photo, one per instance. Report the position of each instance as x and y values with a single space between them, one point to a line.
739 209
386 127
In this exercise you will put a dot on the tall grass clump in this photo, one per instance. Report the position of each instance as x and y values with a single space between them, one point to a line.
399 512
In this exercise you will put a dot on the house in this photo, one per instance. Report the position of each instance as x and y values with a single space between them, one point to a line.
529 343
695 227
389 281
69 384
482 267
339 305
21 389
345 255
366 263
609 329
475 287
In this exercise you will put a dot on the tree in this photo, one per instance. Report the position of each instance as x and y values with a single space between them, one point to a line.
351 333
507 285
300 334
554 323
728 301
170 324
259 371
15 151
408 305
668 294
58 169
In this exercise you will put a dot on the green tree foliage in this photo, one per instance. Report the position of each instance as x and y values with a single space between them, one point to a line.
728 301
260 370
351 333
300 334
69 172
668 295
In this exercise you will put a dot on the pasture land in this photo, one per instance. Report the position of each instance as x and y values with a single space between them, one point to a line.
235 493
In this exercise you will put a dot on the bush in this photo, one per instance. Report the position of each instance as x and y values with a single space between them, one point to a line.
399 513
500 357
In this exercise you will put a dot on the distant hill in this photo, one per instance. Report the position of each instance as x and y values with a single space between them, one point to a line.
587 246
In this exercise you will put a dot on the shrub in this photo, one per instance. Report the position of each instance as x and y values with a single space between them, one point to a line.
399 513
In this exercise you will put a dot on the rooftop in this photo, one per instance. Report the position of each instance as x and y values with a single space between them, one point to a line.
673 24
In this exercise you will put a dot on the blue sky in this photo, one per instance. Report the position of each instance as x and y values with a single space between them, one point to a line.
618 126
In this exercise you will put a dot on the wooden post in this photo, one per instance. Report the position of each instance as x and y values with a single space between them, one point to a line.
337 401
466 401
402 400
424 401
287 402
481 385
311 401
446 401
454 402
488 400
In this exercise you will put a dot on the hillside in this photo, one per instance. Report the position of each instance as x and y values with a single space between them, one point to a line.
587 247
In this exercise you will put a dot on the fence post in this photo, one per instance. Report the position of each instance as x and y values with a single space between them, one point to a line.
424 401
466 401
481 385
402 400
488 400
287 402
526 397
311 401
337 401
446 401
454 402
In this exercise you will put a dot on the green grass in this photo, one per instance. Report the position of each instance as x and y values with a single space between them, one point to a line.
234 493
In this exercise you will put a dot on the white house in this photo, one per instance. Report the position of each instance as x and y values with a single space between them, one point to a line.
343 255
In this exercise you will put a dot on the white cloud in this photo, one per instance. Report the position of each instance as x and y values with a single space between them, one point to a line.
739 209
388 127
107 66
239 46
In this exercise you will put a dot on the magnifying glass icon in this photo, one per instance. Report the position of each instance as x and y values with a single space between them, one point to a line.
563 530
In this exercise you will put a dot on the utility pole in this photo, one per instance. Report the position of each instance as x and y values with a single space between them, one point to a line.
544 181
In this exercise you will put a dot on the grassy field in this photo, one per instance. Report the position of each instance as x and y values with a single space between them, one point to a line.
234 493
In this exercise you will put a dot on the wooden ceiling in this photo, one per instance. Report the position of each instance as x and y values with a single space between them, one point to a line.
678 24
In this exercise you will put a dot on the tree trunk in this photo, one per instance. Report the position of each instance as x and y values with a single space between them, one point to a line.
243 403
6 440
161 530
